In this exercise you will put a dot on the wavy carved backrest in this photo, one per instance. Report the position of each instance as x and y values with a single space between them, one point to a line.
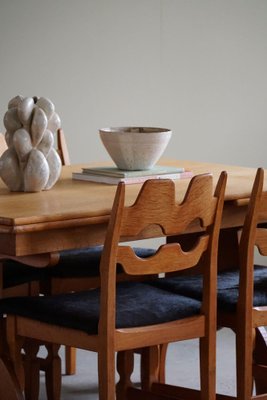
254 234
156 205
261 233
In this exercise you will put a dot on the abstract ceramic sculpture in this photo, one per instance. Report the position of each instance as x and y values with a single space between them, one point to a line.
30 163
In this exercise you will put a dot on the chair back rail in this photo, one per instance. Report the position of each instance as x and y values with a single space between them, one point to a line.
173 218
251 236
156 204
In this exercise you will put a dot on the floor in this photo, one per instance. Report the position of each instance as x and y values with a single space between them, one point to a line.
182 368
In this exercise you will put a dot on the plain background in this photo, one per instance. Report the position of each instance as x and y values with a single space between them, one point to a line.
198 67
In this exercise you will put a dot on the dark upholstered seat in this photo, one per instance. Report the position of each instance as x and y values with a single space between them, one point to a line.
85 262
15 273
227 287
72 263
80 310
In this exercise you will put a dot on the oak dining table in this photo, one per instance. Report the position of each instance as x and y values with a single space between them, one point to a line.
74 214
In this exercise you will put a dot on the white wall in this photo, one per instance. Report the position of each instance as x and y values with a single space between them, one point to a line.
196 66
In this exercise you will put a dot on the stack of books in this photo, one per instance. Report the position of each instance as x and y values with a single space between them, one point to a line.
113 175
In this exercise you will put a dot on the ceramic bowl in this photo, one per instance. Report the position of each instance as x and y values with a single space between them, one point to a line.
135 148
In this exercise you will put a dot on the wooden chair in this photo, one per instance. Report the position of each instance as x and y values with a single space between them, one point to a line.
17 279
75 270
129 315
246 309
22 278
242 299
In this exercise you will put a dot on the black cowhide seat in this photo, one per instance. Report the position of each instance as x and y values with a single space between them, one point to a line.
80 310
85 262
227 287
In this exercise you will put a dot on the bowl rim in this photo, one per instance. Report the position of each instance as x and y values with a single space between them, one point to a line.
134 129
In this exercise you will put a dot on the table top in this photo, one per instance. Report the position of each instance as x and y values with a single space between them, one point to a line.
70 199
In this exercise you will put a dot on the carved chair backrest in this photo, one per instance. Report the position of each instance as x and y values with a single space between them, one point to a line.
254 234
156 206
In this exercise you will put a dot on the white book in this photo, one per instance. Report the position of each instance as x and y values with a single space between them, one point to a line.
111 180
116 172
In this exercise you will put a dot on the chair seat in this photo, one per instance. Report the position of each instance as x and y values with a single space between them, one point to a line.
15 273
227 287
85 262
138 304
72 263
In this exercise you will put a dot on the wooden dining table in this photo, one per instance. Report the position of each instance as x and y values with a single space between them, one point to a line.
75 214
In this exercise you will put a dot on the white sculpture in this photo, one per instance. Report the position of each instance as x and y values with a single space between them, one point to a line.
30 163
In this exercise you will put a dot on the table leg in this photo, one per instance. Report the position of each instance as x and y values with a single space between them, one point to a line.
228 249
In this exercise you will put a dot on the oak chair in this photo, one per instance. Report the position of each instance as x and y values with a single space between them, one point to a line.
21 278
17 279
245 310
133 314
75 270
242 298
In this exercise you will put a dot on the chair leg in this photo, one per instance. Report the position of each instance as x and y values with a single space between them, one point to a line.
15 344
125 366
162 362
32 370
106 373
208 367
150 366
260 361
53 372
244 354
70 360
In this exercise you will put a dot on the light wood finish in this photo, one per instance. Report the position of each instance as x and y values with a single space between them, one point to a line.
62 147
3 144
248 318
75 214
248 322
155 205
40 260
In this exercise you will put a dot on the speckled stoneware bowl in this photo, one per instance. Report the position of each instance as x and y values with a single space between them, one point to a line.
135 148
